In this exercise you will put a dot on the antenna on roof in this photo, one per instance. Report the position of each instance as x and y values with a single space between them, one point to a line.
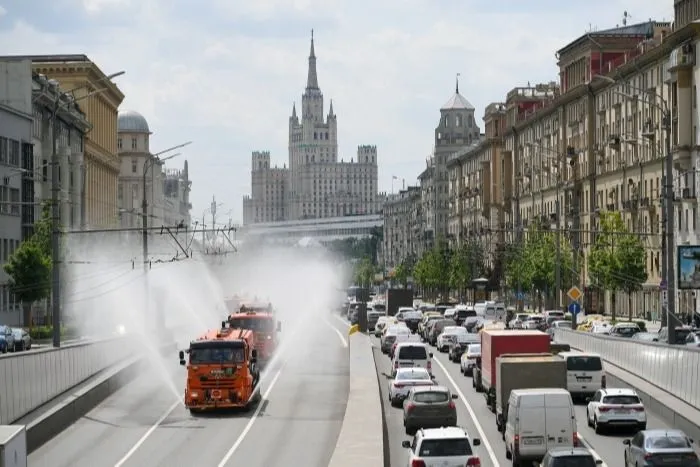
625 17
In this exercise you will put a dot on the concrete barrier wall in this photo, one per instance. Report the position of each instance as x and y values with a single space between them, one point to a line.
361 439
674 369
29 380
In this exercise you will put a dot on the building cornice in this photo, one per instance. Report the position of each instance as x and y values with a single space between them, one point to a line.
16 112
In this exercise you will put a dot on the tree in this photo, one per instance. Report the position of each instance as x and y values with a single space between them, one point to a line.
466 264
517 268
364 273
43 229
402 272
432 272
617 260
30 275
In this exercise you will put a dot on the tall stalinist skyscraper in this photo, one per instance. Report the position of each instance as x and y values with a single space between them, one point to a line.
316 184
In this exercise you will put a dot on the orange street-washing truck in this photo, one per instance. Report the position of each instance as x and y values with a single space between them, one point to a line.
222 371
259 318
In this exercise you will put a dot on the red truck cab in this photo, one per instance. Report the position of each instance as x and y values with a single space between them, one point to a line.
260 319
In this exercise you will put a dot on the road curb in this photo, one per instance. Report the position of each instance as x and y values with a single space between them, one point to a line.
361 439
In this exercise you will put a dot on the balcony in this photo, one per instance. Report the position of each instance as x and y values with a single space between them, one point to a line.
681 58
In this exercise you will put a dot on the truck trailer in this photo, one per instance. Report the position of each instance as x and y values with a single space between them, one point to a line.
495 343
525 371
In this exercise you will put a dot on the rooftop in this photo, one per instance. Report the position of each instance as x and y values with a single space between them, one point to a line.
131 121
457 102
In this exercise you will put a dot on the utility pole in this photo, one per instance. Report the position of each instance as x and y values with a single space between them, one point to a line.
518 219
668 226
213 212
55 231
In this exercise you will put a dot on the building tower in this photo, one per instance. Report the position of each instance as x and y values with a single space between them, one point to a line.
313 144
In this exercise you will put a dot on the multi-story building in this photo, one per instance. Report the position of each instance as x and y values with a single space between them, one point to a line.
31 106
403 224
143 175
99 98
317 184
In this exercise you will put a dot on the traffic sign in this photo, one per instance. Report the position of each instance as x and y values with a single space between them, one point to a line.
574 308
574 293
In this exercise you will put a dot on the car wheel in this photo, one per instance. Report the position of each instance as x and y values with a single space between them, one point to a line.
597 427
588 418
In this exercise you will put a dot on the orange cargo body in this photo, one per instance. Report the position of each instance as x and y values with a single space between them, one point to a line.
495 342
260 319
222 370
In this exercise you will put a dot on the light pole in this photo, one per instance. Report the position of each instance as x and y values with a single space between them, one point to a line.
61 101
668 222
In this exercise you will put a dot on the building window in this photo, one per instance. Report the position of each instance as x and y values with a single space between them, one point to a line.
134 164
133 143
3 150
119 143
14 152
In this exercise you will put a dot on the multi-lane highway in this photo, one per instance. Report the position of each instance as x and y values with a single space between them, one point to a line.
480 422
145 423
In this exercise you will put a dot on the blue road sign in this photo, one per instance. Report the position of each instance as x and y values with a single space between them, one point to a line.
574 308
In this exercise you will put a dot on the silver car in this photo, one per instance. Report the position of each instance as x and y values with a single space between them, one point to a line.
23 341
405 380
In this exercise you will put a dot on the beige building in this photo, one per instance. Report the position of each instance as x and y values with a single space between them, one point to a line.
403 226
77 73
166 190
317 184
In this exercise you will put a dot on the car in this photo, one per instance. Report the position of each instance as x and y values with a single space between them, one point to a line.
391 335
469 358
442 446
7 339
625 330
429 407
404 380
23 341
435 329
616 407
570 457
412 319
660 447
458 345
442 341
411 355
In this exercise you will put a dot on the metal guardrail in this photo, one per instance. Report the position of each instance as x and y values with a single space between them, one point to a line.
674 369
30 379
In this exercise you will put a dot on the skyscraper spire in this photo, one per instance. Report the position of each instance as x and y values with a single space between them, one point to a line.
312 80
457 85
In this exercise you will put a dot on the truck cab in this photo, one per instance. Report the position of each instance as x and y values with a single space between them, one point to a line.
260 319
222 370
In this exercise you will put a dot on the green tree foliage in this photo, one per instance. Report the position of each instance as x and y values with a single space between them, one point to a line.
432 272
403 271
617 260
364 273
30 275
466 264
359 248
517 268
43 230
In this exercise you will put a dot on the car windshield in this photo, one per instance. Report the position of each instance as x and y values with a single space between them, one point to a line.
454 330
625 330
668 442
562 324
254 324
412 374
412 315
626 399
573 461
431 396
474 349
584 363
217 355
445 447
379 307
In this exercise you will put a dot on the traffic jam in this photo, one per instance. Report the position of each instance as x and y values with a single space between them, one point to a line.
532 393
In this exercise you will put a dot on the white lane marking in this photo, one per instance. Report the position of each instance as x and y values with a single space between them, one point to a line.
590 448
345 323
147 434
247 428
482 434
343 341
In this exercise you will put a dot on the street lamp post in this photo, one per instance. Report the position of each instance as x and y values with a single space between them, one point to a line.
55 198
668 222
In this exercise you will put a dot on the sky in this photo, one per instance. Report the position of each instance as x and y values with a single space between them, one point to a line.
225 73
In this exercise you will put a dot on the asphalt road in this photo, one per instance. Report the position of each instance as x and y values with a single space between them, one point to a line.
144 423
480 422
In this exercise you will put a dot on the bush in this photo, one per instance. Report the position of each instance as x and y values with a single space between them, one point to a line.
642 325
46 332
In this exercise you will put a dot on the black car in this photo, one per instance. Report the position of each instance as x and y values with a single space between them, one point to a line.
412 318
471 323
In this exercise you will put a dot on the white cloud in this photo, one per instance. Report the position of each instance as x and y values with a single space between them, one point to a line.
225 74
3 11
98 6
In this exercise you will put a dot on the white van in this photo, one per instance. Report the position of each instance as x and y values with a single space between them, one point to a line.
412 354
585 374
539 420
450 313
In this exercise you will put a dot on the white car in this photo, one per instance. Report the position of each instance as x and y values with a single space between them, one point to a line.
383 322
443 337
621 407
448 446
404 380
468 361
